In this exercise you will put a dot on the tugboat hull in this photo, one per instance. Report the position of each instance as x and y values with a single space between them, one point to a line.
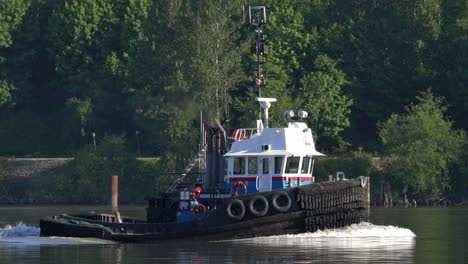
288 211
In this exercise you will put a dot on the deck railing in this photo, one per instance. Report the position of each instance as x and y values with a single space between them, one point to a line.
245 133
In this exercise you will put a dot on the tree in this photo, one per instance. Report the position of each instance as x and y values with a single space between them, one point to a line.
423 145
291 52
191 63
93 45
452 59
6 91
215 58
162 98
11 14
321 95
76 126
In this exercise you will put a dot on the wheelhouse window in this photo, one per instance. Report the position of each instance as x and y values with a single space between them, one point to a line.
266 166
278 164
292 164
253 166
305 165
239 166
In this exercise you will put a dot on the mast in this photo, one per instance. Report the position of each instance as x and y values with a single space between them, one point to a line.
257 17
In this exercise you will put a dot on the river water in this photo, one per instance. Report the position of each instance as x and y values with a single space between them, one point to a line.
398 235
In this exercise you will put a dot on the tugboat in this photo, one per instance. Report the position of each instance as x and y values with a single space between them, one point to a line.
267 189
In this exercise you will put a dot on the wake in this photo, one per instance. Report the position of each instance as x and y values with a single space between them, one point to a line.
361 230
19 230
21 234
362 236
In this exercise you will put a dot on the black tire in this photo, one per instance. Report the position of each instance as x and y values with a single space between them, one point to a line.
254 201
281 201
236 209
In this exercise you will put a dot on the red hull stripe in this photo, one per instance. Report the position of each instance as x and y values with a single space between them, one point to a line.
276 178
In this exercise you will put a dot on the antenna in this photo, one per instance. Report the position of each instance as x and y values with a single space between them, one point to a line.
258 18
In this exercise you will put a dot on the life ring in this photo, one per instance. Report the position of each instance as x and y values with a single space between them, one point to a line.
196 212
255 201
235 188
281 206
363 182
236 209
238 135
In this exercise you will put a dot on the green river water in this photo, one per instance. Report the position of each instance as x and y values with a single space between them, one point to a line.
396 235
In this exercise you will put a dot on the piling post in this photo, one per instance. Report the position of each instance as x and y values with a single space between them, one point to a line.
115 198
115 193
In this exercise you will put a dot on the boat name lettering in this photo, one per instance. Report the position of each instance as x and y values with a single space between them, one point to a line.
214 195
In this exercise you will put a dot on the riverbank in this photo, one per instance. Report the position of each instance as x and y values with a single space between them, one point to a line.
85 179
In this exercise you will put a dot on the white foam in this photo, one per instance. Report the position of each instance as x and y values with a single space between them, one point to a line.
19 230
363 236
361 230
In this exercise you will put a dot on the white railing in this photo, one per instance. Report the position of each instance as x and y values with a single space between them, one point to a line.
199 156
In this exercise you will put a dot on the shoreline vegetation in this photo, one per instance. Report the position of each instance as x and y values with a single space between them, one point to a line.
107 81
85 179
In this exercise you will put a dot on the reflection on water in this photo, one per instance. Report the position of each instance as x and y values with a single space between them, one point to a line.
427 235
362 242
358 242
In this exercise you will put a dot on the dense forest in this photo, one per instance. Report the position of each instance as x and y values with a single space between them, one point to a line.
380 79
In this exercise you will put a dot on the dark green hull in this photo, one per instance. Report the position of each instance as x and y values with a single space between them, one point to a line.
305 209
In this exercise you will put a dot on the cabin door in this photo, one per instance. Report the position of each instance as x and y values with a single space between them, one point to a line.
264 179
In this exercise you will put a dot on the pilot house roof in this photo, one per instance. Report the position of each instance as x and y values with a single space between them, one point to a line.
296 140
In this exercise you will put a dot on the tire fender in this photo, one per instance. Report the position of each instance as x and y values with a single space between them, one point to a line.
281 208
255 199
231 213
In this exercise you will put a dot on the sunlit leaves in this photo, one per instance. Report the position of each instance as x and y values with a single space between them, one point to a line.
322 95
423 145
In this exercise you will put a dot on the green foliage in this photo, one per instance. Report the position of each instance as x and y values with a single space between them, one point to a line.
93 45
92 168
27 134
6 91
79 112
11 14
86 179
144 181
422 144
3 174
72 67
353 164
322 97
